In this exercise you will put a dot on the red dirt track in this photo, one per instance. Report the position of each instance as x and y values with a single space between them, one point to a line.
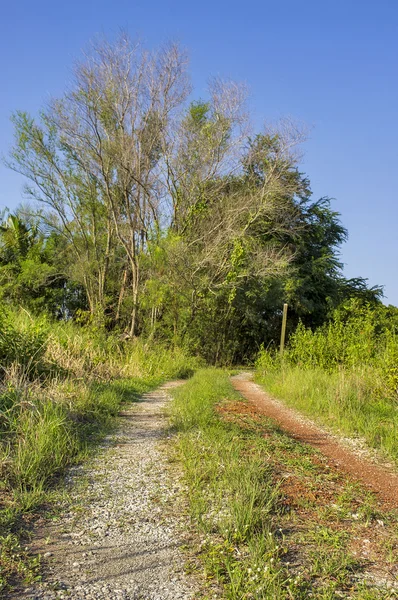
379 479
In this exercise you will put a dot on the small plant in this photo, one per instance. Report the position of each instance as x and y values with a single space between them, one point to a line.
15 562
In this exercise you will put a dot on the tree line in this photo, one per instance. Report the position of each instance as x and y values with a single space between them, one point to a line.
154 214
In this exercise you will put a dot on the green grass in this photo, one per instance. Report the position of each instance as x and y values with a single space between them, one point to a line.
231 491
261 534
345 400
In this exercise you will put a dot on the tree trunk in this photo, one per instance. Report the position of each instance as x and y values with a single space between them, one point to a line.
121 295
135 287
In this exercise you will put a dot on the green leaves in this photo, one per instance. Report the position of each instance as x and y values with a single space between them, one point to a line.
198 113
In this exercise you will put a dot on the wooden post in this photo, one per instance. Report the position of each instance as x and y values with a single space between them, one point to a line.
283 332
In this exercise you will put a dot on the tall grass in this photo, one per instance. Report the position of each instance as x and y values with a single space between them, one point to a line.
60 388
345 373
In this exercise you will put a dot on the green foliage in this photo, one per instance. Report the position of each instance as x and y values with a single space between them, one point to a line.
358 334
31 273
178 228
198 113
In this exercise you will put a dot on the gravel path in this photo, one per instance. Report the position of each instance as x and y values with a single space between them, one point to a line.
120 538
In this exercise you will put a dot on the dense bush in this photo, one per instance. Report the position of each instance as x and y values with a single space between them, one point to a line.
356 336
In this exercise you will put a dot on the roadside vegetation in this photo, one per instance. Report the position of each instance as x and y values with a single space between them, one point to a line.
272 519
345 373
61 388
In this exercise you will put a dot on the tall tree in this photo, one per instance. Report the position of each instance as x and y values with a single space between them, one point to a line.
94 157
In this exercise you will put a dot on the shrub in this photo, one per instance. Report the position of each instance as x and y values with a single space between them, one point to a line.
22 342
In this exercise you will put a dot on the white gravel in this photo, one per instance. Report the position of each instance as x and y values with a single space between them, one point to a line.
121 537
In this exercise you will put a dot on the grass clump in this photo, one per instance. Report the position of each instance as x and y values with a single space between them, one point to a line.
22 342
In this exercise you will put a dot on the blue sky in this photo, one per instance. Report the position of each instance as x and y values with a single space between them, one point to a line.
332 65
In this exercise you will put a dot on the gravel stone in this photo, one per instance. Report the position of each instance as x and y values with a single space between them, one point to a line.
121 536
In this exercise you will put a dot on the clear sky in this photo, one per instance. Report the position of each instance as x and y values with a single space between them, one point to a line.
332 64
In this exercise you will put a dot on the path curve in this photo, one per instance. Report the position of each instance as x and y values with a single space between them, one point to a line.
377 478
123 540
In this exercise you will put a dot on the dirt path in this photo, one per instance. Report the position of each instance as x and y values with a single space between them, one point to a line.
379 479
121 537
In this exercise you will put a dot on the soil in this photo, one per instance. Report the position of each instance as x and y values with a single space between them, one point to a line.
380 479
